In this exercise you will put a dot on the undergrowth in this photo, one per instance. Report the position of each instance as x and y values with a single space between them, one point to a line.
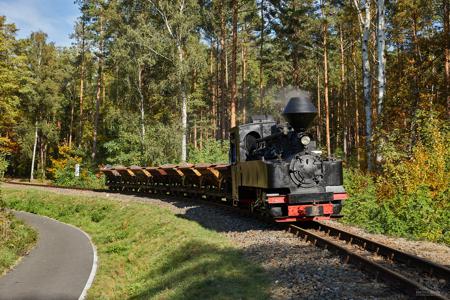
146 251
410 196
62 171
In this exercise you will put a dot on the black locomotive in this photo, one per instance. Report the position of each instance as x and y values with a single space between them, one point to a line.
274 169
277 168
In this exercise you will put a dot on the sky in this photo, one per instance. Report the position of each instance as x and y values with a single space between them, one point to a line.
54 17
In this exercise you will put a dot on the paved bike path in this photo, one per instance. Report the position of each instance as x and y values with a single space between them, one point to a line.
61 266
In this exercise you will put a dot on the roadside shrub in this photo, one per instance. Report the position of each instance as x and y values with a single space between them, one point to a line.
410 196
362 207
63 171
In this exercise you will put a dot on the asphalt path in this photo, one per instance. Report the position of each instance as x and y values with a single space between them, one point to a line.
61 266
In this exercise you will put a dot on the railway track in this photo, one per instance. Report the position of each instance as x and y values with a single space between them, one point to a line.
411 274
55 186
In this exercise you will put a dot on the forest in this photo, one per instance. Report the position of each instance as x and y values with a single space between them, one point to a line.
155 82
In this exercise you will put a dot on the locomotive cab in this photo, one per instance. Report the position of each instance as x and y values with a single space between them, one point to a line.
277 169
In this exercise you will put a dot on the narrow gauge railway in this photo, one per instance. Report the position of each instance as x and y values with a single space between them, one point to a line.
274 169
213 182
413 275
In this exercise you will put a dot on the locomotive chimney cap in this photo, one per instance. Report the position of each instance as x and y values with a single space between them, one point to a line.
300 113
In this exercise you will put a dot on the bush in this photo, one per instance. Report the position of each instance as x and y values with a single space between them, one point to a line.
362 207
63 171
410 197
87 179
3 166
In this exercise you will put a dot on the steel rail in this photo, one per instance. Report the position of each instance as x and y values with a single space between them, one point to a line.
377 271
390 253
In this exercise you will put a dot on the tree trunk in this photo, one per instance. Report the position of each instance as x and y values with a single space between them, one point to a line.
356 93
319 117
416 93
81 84
261 54
44 158
218 87
99 91
142 107
195 134
325 76
381 45
367 82
447 53
72 111
200 142
343 95
213 91
34 151
223 80
295 69
183 109
227 88
234 65
244 83
41 156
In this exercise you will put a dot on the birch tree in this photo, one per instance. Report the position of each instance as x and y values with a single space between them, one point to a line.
180 20
364 21
381 45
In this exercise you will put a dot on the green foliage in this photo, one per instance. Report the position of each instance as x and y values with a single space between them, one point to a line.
63 171
160 146
3 166
411 196
362 207
213 151
87 179
147 252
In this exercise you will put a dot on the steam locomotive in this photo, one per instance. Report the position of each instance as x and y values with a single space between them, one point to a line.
274 169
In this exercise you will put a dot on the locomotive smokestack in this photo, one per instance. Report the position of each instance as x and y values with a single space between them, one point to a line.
300 113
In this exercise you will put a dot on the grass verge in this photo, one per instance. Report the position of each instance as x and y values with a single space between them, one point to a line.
16 239
147 252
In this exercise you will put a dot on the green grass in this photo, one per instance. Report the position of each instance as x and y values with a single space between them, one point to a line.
147 252
16 239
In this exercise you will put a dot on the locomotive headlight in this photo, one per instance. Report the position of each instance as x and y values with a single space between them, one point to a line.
305 140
